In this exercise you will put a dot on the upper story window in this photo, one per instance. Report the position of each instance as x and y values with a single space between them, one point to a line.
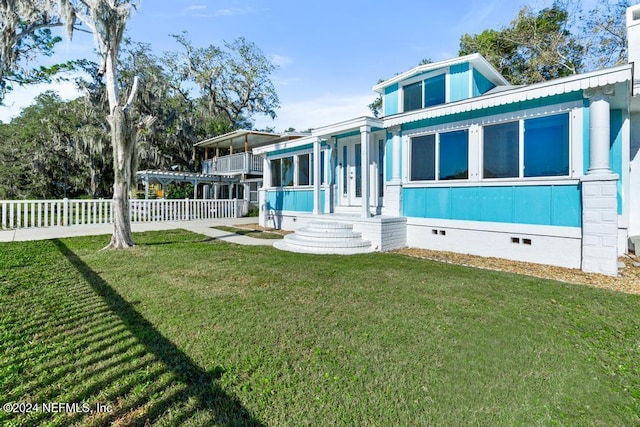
424 93
544 147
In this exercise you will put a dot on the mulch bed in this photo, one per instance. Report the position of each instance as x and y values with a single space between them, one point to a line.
628 279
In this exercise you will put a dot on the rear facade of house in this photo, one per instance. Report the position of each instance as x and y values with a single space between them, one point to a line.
462 161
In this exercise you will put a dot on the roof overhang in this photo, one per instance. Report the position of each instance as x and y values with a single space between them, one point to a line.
476 60
620 76
323 133
238 138
348 126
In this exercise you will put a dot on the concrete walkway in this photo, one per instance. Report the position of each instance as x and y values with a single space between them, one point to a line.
199 226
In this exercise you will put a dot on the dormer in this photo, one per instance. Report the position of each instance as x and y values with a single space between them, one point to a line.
438 83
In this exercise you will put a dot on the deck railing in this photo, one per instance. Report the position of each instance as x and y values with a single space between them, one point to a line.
234 163
66 212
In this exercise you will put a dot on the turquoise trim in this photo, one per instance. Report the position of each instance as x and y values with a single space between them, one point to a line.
282 199
615 156
348 134
556 205
508 108
481 84
391 98
458 82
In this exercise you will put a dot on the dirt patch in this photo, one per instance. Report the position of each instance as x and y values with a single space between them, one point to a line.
259 228
628 279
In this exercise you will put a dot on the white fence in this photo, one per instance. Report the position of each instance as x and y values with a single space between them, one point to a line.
49 213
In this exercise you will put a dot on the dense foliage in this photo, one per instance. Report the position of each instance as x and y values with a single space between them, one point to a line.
59 148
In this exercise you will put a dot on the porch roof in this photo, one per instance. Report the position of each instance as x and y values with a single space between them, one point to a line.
252 138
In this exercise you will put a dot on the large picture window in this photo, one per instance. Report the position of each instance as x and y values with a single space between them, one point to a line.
454 155
546 146
501 150
423 158
451 149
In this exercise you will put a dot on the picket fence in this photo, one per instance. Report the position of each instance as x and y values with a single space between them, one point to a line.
66 212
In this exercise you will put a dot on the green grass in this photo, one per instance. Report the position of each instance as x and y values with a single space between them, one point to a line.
186 330
258 234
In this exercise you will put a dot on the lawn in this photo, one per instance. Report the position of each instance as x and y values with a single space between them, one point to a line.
186 330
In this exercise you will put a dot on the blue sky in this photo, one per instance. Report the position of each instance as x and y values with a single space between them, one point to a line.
329 53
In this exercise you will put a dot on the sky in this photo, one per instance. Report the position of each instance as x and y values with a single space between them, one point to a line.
329 53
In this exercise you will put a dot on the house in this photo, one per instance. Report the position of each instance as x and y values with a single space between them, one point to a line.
229 171
462 161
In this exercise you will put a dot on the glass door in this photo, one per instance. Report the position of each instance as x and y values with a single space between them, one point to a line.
350 158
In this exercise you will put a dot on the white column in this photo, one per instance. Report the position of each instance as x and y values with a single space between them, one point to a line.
328 172
393 191
262 193
395 160
599 129
266 173
599 190
365 136
316 176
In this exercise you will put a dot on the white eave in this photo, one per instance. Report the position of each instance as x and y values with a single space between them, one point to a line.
347 126
569 84
321 133
476 60
285 145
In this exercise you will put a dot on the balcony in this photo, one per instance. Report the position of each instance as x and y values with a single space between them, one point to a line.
233 164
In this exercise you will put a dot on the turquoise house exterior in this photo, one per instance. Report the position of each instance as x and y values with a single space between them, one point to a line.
462 161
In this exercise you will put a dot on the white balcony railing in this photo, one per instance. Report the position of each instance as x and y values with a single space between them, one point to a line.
234 163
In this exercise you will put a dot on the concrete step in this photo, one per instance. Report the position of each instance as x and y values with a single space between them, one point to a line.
325 237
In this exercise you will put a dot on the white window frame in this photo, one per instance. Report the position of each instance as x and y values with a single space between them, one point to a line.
521 120
437 155
422 78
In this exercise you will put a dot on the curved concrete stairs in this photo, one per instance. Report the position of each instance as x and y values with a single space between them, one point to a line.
325 237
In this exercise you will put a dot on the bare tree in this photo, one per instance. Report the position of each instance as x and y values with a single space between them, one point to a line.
106 20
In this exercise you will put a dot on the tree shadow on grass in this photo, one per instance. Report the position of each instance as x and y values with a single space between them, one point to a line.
177 385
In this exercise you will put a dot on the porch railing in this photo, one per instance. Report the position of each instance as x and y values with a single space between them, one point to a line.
234 163
67 212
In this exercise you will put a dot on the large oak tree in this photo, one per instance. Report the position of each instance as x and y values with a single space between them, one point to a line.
106 20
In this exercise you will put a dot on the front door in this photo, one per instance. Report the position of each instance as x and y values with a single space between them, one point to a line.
350 159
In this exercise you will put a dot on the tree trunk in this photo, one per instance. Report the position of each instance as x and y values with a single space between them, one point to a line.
124 156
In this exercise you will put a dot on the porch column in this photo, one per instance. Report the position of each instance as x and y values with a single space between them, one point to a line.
316 176
393 193
365 134
395 149
262 192
599 190
328 167
599 129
